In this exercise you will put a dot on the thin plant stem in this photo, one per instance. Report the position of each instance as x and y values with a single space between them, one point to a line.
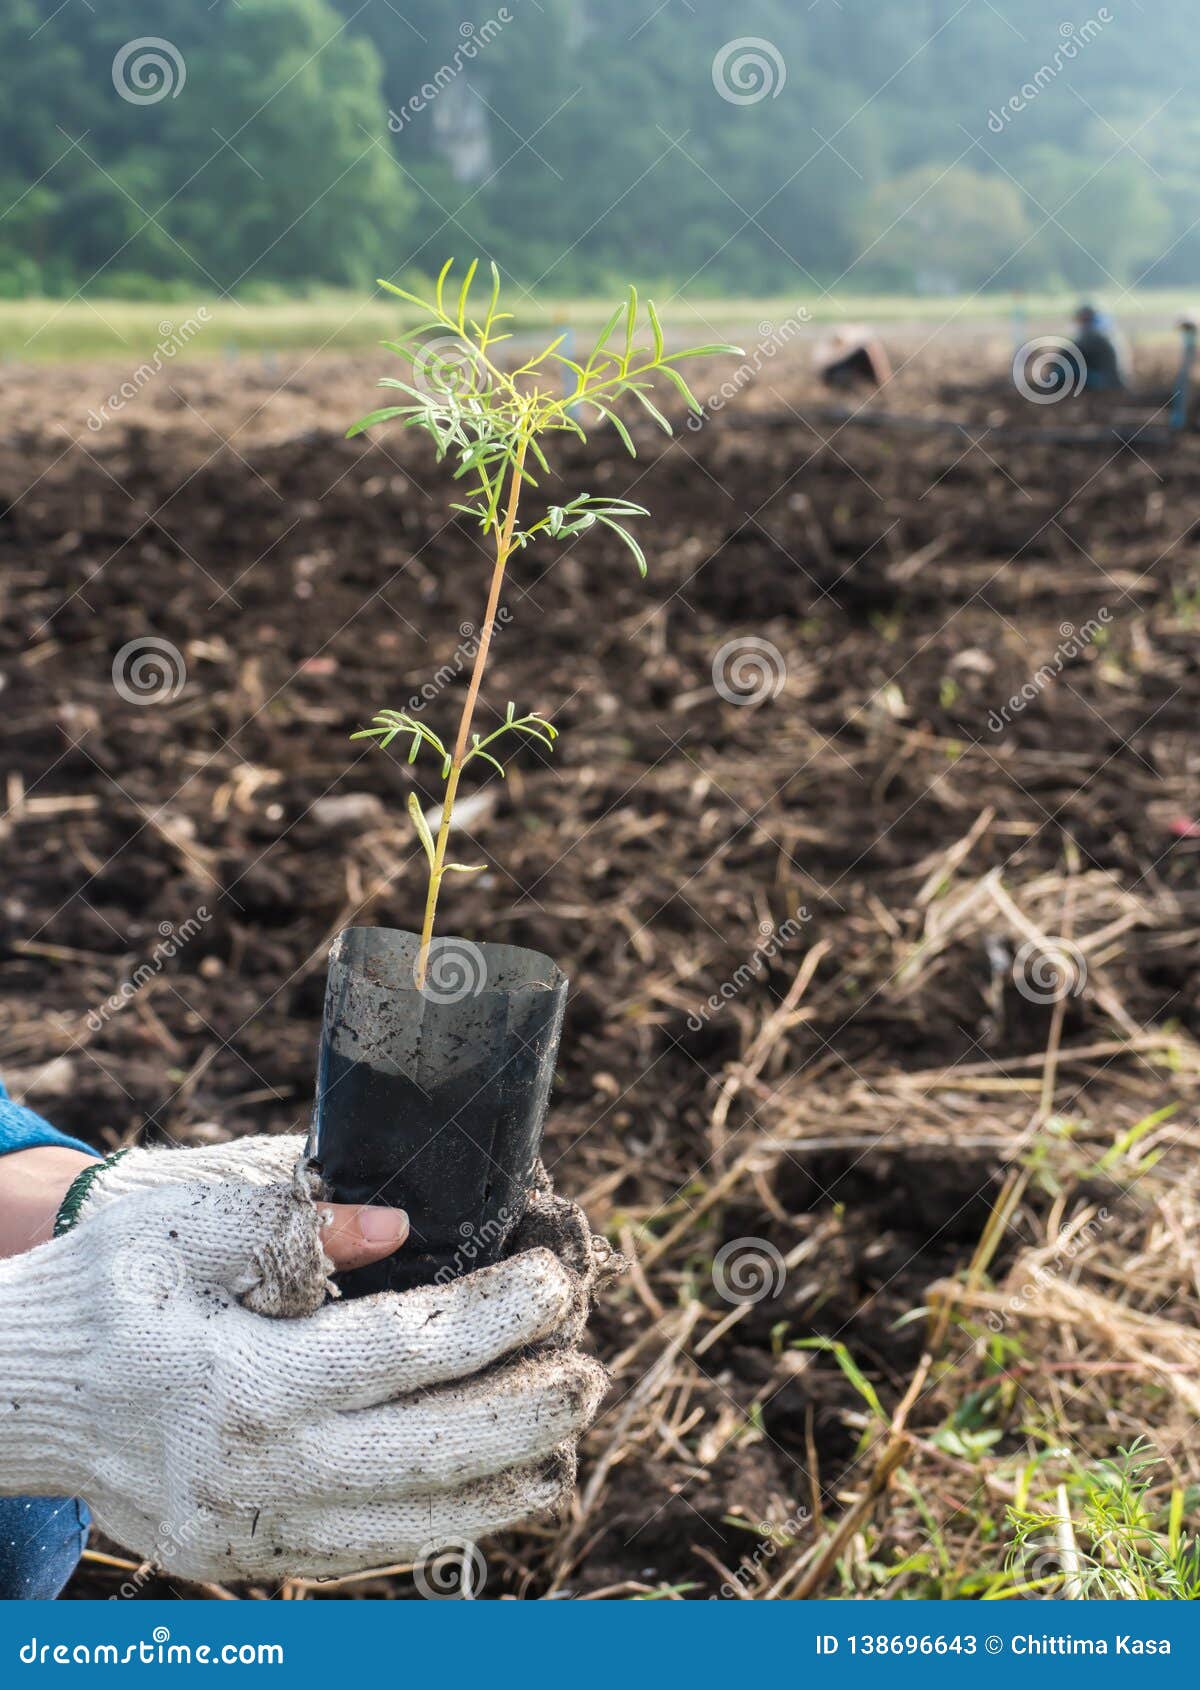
488 419
462 745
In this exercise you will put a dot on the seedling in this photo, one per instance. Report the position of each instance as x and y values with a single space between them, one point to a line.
496 422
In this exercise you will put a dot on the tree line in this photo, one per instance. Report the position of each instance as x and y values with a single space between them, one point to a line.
259 146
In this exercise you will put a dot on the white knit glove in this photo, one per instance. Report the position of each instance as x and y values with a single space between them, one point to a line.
228 1445
269 1160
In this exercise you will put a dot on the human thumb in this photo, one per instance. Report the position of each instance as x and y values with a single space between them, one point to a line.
353 1236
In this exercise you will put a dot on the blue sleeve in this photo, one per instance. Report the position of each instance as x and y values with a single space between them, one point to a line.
22 1129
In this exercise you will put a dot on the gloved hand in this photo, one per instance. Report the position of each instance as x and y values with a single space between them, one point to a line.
230 1445
266 1160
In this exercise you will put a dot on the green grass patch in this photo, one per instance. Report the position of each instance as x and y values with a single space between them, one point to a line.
110 330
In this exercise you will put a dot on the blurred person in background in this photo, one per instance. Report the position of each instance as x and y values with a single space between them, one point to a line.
1101 359
852 356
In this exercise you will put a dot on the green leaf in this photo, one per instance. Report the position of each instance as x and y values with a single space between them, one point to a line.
849 1367
626 437
441 283
639 555
391 723
652 409
478 751
401 293
608 328
656 326
422 826
416 335
547 352
373 417
495 299
463 294
1128 1140
677 380
705 352
567 421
